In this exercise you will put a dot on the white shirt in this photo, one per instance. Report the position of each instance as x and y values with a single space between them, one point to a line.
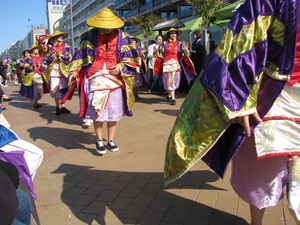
151 55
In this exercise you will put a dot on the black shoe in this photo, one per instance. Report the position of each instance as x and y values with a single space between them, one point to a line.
173 102
112 146
57 111
7 99
100 148
64 110
37 105
137 96
169 98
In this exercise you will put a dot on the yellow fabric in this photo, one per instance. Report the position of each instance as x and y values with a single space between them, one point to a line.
128 79
203 118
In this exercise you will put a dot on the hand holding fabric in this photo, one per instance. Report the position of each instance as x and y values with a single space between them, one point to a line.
115 70
244 121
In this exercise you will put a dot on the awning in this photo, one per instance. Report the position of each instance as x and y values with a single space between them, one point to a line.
192 25
228 11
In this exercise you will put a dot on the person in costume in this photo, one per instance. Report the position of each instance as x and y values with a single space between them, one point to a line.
58 60
104 67
34 78
141 75
172 62
245 108
43 40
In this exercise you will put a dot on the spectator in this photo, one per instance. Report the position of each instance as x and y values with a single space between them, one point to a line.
211 43
152 52
14 71
19 72
3 68
198 52
4 98
172 62
105 74
33 155
15 204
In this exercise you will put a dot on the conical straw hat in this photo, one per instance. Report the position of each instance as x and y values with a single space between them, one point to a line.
173 29
137 40
105 18
58 33
34 46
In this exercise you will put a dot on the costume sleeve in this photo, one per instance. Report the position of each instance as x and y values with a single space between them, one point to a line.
84 55
234 71
158 63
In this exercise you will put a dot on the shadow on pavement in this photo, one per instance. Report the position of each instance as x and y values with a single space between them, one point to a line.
50 135
105 197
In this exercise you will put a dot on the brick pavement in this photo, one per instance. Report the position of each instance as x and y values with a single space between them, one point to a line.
74 185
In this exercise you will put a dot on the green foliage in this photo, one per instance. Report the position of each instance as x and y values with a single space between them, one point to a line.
144 23
206 9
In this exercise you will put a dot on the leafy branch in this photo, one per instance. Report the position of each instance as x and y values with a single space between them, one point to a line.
144 23
206 9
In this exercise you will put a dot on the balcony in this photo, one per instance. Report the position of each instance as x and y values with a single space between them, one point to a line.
123 4
106 3
145 7
183 14
81 7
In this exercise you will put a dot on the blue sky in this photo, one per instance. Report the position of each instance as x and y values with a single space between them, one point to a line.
14 15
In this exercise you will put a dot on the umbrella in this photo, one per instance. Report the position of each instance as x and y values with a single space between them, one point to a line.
166 25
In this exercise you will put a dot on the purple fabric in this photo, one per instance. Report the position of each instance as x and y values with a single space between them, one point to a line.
218 75
230 82
176 81
17 159
188 74
264 181
114 111
65 49
91 51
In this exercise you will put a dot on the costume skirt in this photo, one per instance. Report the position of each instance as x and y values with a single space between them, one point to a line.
171 80
259 168
258 182
58 83
115 108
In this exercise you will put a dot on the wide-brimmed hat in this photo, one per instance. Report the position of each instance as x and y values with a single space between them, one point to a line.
105 18
43 37
34 46
58 33
137 40
173 29
23 53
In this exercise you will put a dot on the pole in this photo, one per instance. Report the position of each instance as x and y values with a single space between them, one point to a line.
72 30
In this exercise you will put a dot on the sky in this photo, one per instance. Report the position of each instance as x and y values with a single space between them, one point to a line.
14 19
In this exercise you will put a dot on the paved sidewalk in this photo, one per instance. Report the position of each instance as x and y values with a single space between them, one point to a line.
74 185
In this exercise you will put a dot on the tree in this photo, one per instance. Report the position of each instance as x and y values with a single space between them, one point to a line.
144 23
206 9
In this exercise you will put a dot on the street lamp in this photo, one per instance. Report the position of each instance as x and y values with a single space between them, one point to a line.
72 30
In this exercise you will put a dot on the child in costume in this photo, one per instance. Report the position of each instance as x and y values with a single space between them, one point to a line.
104 67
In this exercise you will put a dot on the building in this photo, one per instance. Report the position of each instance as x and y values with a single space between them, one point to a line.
75 15
55 12
70 16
